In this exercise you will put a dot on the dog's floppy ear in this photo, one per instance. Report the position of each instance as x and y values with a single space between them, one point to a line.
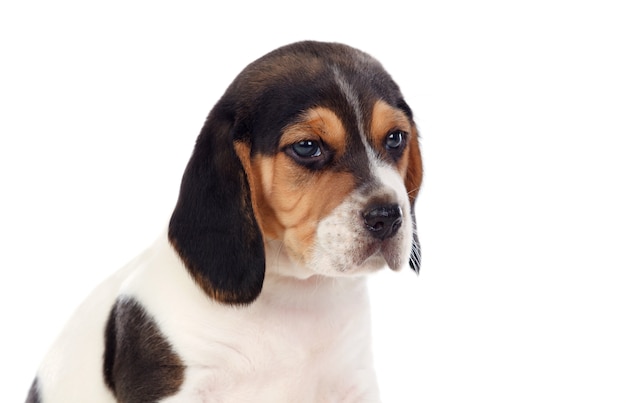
213 227
412 182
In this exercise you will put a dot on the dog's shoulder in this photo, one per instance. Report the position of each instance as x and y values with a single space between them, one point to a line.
110 323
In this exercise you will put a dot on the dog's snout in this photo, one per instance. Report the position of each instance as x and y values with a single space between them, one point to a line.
383 221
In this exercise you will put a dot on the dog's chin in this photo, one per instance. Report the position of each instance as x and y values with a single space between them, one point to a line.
384 257
372 259
371 264
339 261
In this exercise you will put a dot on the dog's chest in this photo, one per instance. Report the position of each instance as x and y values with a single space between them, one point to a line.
275 351
278 365
300 341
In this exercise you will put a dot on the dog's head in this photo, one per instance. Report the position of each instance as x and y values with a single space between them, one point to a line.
312 146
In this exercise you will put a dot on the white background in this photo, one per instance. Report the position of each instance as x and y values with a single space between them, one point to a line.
521 109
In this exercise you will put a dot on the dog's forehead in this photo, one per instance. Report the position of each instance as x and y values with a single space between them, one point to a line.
278 89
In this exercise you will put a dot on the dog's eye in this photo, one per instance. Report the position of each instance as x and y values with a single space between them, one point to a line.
395 140
307 149
310 153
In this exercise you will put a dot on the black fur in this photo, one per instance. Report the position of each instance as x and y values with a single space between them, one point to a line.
213 216
33 393
416 253
139 363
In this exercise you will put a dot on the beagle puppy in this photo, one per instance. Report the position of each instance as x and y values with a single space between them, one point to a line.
302 181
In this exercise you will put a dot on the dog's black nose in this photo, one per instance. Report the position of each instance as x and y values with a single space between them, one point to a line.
383 221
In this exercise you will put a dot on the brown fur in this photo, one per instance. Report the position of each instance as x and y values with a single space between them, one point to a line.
244 186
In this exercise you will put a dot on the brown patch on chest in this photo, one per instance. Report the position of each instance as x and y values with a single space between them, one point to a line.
140 365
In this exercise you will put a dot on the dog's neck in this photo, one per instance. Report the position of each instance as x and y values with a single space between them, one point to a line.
287 280
316 292
287 286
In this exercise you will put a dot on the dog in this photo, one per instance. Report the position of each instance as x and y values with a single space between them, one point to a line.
302 181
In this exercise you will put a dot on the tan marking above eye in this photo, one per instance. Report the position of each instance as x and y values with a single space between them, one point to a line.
317 124
386 119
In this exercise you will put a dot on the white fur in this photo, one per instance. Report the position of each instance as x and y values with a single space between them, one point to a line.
300 341
306 339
